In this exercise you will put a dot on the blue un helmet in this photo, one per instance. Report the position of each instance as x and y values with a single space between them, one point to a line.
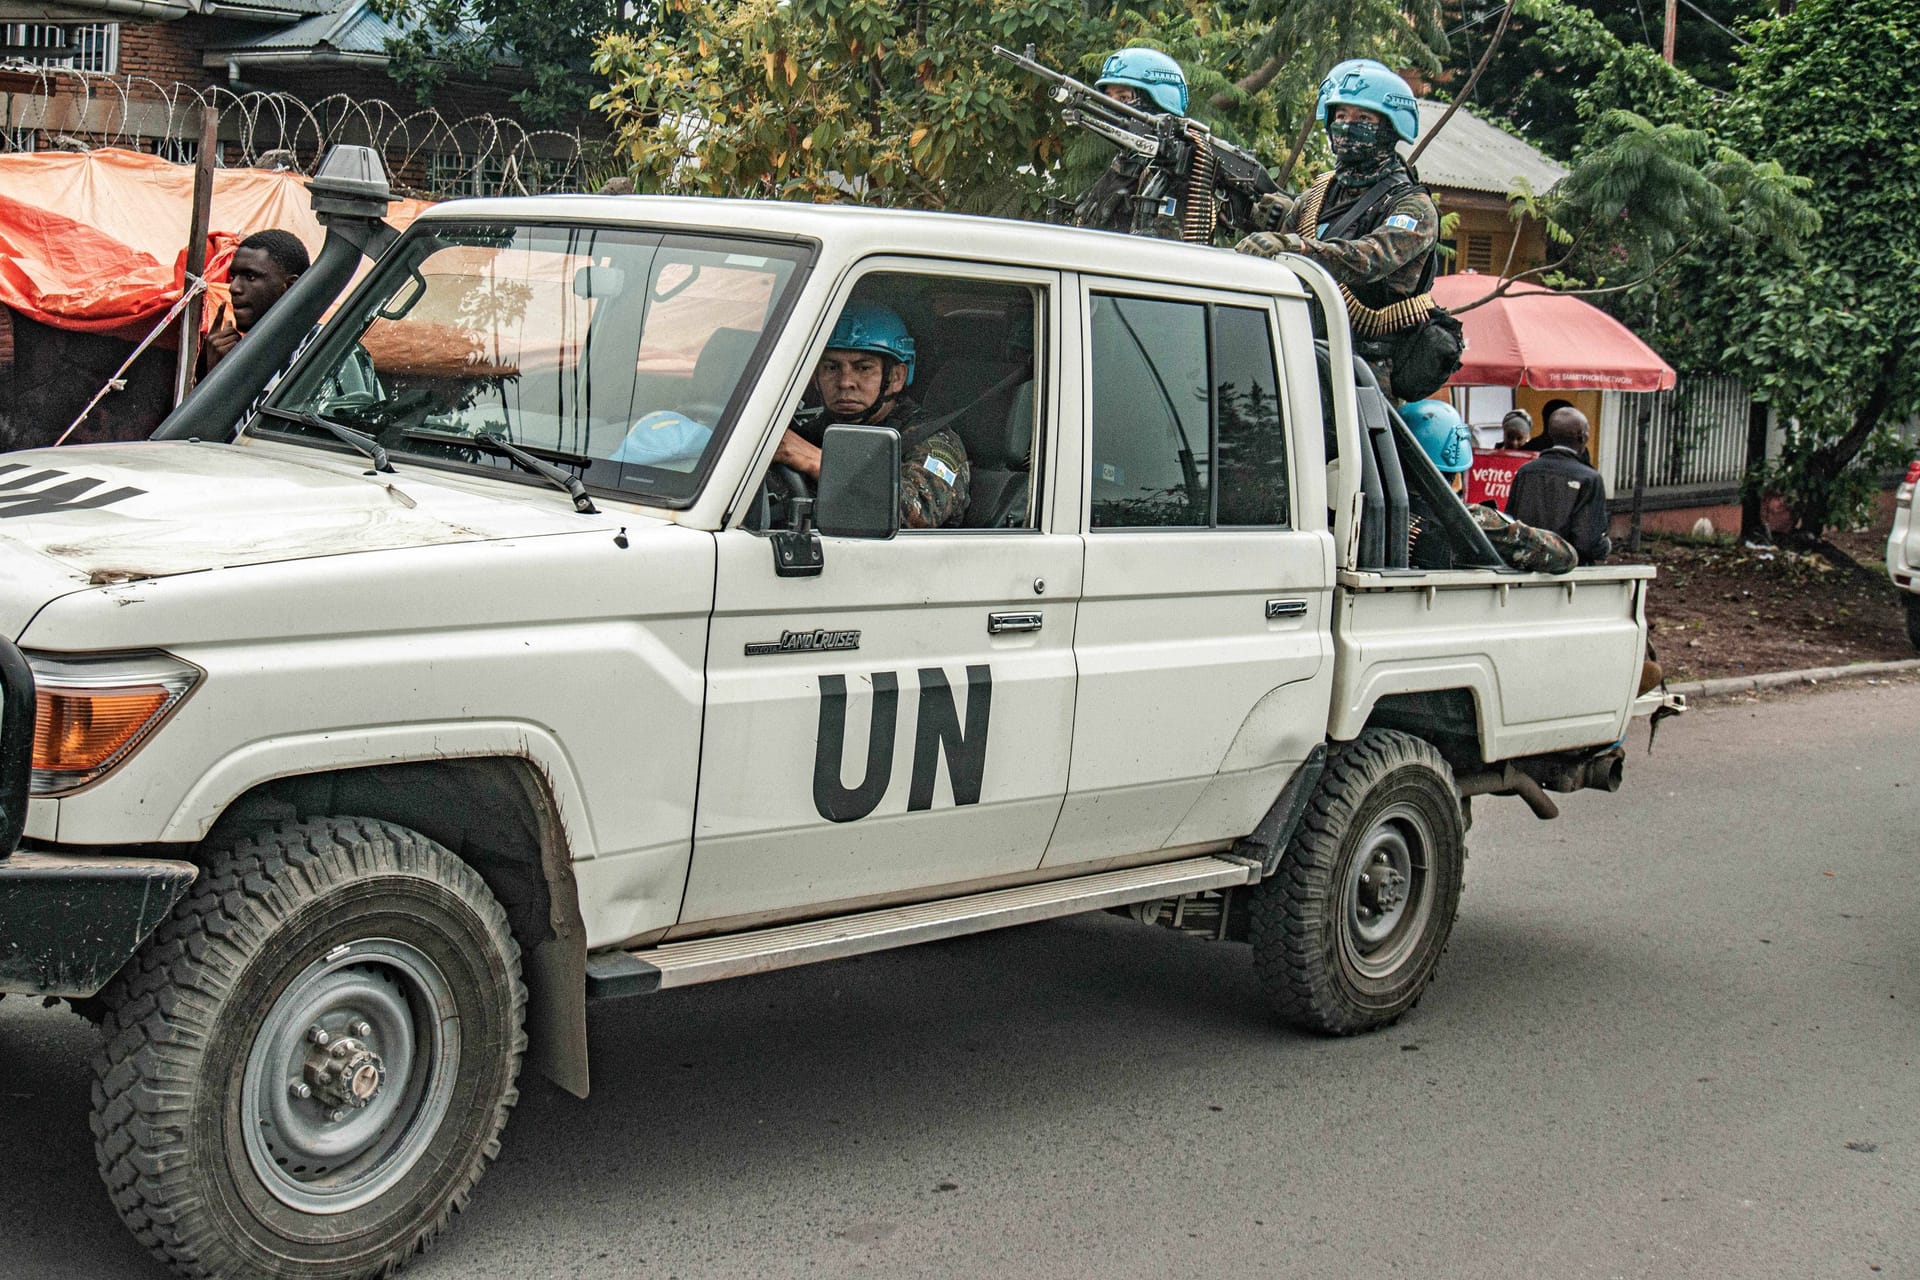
1362 82
868 326
664 438
1152 73
1441 433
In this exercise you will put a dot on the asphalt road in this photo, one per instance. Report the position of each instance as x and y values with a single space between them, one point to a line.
1675 1036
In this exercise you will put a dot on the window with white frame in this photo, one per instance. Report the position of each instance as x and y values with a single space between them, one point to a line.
181 150
81 46
454 173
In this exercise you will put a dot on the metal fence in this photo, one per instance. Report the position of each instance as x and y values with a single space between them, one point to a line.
1697 435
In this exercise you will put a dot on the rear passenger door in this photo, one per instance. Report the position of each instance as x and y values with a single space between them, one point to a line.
1203 646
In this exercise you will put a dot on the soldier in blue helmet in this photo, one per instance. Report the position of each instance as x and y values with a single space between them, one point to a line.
1146 80
862 378
1369 223
1444 437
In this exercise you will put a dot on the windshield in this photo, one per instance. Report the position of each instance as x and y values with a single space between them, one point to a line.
617 353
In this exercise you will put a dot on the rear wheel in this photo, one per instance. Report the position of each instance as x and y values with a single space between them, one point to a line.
308 1067
1913 619
1348 930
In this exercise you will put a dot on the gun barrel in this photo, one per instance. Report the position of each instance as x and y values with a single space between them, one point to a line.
1074 87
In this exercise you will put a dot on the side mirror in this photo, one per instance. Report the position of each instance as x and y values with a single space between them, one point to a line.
593 281
859 482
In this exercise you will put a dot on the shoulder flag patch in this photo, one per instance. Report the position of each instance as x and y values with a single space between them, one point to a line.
1402 222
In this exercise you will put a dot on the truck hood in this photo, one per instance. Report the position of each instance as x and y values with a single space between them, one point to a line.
122 512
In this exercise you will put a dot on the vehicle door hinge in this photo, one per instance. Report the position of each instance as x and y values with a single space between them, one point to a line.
796 551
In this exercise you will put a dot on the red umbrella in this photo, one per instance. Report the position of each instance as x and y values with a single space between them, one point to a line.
1534 337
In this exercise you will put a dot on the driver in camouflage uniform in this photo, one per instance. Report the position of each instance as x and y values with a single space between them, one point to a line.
867 366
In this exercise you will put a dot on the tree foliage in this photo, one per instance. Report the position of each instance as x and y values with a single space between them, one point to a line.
1828 337
549 44
1653 179
1600 53
904 104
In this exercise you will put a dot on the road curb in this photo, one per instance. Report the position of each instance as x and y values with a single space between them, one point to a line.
1733 686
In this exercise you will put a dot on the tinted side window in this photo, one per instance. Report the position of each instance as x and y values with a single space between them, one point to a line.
1253 435
1151 456
1187 425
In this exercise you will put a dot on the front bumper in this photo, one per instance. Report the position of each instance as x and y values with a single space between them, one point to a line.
67 922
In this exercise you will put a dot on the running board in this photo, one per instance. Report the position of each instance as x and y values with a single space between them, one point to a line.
681 964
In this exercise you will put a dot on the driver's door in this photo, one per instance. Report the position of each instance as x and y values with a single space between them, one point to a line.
899 725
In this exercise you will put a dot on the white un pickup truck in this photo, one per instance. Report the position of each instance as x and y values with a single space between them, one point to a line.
494 669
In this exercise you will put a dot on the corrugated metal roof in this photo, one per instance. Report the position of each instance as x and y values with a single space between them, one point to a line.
350 27
291 8
1472 155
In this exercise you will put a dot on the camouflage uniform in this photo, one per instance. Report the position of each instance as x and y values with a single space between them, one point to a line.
935 476
1522 545
1382 266
1386 265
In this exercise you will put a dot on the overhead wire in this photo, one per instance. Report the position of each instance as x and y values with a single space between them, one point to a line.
1713 21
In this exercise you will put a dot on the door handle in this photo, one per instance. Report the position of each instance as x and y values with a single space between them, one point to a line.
1286 609
999 623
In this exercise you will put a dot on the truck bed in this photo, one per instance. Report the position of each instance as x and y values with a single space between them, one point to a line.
1552 662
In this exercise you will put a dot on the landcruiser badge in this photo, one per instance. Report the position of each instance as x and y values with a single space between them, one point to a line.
805 642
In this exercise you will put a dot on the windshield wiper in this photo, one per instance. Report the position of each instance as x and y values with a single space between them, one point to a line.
540 467
358 439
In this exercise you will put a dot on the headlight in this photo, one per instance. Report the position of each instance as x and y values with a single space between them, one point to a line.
91 713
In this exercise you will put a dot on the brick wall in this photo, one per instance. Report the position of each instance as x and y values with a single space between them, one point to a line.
166 52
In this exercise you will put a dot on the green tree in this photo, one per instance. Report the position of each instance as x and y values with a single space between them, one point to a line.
904 104
1829 92
1653 181
1555 53
550 46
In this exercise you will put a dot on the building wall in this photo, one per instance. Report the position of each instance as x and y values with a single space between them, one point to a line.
1484 235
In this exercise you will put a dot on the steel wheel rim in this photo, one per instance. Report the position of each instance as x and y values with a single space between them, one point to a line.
409 1057
1388 892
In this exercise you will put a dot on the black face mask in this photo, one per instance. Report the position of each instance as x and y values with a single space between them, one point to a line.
1362 150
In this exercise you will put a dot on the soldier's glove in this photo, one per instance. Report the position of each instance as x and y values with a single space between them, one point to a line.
1271 210
1265 244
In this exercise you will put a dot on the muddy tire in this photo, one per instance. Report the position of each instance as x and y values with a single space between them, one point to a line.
307 1068
1348 930
1913 619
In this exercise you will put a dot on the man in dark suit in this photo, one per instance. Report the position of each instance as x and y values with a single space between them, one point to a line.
1560 492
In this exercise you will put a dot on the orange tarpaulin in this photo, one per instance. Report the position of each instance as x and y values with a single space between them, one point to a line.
96 241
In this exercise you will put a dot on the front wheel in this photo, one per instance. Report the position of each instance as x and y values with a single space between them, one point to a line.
1348 930
308 1067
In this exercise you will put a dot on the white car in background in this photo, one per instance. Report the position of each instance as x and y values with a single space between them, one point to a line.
1903 549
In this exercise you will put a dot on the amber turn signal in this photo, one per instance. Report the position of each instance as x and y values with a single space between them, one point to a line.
92 712
79 730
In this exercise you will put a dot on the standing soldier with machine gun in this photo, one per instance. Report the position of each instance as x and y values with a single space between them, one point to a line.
1374 228
1172 178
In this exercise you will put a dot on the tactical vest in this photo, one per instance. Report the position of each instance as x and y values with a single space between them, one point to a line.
1372 309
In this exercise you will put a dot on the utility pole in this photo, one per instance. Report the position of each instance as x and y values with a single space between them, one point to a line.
197 224
1666 38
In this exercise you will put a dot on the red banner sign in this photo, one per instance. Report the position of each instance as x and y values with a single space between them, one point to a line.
1490 479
